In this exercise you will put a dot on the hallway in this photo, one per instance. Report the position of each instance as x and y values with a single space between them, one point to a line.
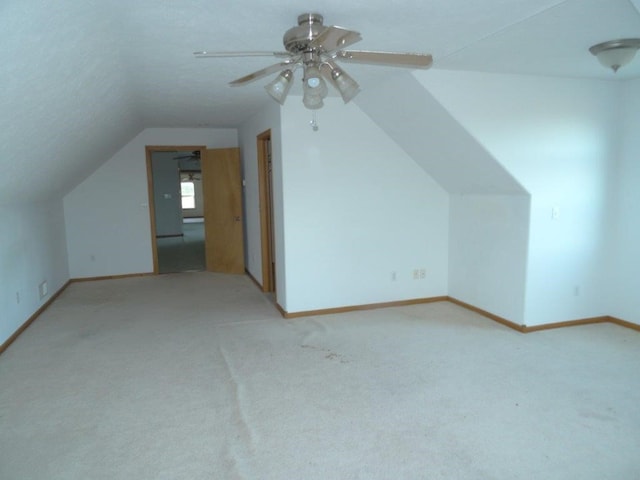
185 253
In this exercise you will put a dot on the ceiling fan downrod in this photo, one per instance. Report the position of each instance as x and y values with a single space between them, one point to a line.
297 40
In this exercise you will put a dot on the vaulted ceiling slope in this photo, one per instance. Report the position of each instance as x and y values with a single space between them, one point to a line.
79 79
66 100
434 139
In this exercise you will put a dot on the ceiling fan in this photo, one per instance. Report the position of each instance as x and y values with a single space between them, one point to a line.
316 48
195 155
188 176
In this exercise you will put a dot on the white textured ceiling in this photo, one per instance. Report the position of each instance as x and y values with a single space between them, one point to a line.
80 78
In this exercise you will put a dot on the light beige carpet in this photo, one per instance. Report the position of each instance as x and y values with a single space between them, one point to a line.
196 376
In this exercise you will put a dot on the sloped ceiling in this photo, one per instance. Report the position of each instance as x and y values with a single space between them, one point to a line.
555 42
65 101
434 139
79 79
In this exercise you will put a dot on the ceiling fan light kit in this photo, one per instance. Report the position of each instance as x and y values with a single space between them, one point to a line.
341 81
279 88
616 53
315 48
314 87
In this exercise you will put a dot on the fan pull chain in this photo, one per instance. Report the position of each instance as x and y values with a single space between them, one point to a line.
314 122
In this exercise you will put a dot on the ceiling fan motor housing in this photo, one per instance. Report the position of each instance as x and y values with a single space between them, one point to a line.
296 40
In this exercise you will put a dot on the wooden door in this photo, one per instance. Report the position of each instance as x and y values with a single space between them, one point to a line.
222 190
266 211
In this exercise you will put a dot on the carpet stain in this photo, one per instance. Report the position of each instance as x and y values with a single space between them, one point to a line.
329 355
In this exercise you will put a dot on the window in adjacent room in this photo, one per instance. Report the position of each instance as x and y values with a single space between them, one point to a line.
188 195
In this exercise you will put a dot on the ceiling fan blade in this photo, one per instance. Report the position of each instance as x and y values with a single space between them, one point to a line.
261 73
195 155
333 38
408 60
207 53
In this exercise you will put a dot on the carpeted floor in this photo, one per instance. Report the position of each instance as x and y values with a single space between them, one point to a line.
185 253
196 376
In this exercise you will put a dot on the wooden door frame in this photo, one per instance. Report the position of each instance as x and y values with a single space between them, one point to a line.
265 196
149 150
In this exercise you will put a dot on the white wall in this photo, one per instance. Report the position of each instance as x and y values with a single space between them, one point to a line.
266 119
356 209
32 250
623 258
488 252
557 137
107 215
489 215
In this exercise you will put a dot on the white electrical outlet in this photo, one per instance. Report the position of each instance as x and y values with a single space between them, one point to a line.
393 276
416 274
423 273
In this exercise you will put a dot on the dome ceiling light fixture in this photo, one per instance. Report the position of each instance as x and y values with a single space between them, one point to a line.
316 48
616 53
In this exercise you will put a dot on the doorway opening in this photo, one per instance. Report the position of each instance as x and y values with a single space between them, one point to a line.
176 204
265 185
